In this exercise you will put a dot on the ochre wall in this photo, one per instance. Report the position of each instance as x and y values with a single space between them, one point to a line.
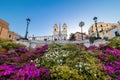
4 28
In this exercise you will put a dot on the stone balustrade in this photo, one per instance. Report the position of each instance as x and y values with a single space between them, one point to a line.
34 43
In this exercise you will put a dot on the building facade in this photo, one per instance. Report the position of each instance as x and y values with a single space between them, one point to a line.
13 36
78 36
4 28
113 32
6 33
59 33
103 29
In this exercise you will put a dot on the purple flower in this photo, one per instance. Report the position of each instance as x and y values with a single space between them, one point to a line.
118 78
109 68
17 58
40 50
3 56
117 63
92 47
27 71
21 50
114 52
101 57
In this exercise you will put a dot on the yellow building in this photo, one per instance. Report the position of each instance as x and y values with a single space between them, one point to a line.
4 28
102 29
6 33
13 36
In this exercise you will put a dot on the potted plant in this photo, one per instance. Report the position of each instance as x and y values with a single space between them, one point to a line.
4 47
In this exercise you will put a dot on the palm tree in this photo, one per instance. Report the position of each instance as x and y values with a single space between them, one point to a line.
81 24
118 22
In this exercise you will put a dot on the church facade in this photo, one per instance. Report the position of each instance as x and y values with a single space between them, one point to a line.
6 33
59 33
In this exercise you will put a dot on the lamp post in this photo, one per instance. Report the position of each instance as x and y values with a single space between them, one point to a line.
81 24
95 19
28 21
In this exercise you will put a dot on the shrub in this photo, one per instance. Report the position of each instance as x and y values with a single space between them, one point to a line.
4 43
66 60
110 59
65 73
114 43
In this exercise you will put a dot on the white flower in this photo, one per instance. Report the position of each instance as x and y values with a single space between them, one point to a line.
76 65
87 68
31 61
46 55
36 59
37 65
60 64
80 65
94 74
60 60
64 55
90 71
80 69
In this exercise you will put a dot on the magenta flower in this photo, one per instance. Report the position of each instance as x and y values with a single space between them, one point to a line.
27 71
109 68
114 52
16 59
21 50
92 47
118 78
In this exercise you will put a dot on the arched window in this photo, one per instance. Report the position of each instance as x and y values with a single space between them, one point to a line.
9 36
55 30
116 33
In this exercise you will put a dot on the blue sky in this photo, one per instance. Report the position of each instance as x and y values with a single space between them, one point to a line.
45 13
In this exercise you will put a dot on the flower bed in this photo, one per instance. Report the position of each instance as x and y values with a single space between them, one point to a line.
110 59
17 65
62 62
72 62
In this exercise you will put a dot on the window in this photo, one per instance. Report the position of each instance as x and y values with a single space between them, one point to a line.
55 29
116 33
9 36
64 38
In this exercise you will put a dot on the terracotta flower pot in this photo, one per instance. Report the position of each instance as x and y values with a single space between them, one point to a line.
4 50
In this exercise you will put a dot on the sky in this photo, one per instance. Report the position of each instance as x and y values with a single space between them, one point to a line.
45 13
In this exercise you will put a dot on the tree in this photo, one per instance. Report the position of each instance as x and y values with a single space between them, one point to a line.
72 37
92 39
81 24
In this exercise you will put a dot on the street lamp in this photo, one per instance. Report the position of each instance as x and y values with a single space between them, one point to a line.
95 19
28 21
81 24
